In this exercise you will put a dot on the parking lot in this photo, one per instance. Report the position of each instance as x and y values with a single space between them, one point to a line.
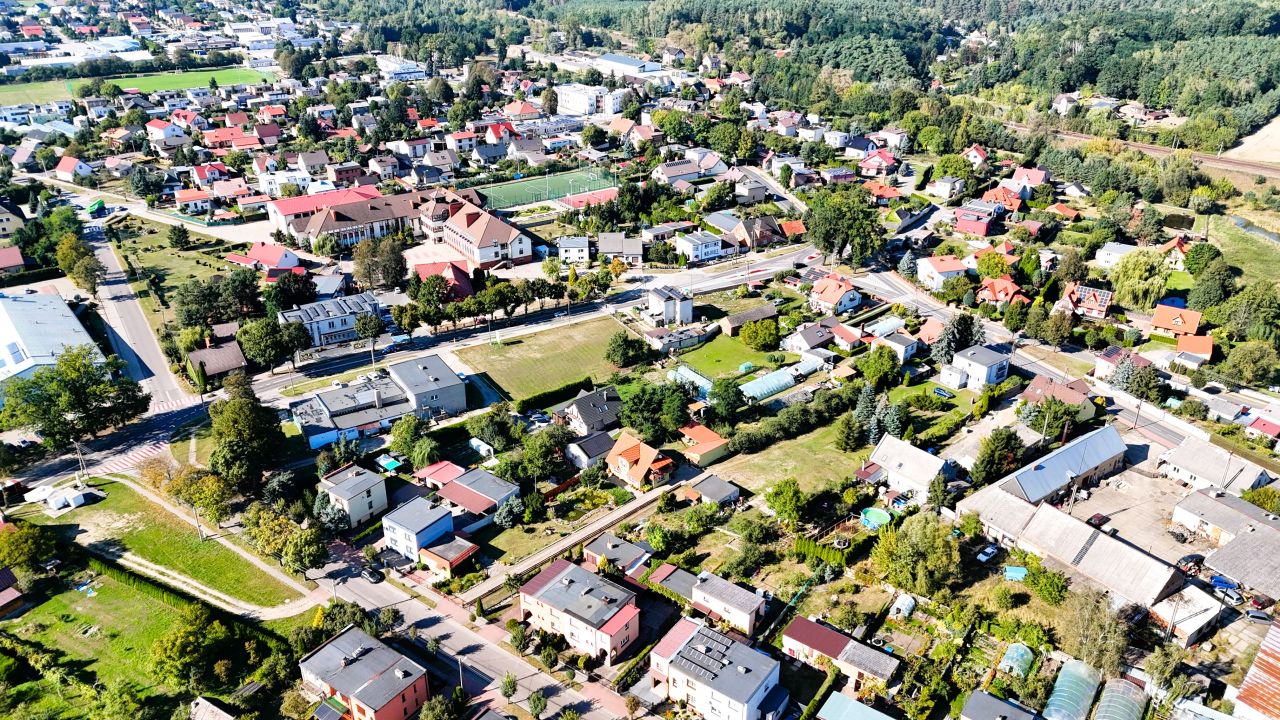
1141 507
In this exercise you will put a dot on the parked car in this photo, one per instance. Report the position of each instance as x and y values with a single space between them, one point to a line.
1098 520
987 553
1220 582
1257 616
372 575
1229 596
1190 564
945 394
1261 602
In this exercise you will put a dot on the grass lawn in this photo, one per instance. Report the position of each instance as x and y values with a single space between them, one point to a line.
724 355
144 246
1179 280
530 364
812 459
963 398
1256 257
509 546
181 443
110 633
128 520
43 92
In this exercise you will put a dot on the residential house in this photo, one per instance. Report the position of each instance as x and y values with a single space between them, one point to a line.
596 617
266 256
666 231
974 368
703 446
590 411
1205 466
1220 516
11 218
70 169
11 260
220 356
945 187
878 163
1110 254
1076 392
714 490
1109 359
414 525
727 602
817 644
715 675
622 555
332 321
589 450
1199 347
193 201
574 249
834 295
976 155
668 306
617 246
1264 430
669 173
360 493
1084 301
997 291
905 468
358 676
904 346
475 496
933 272
455 273
976 217
433 388
638 464
1174 321
10 595
165 137
809 336
1079 463
1175 252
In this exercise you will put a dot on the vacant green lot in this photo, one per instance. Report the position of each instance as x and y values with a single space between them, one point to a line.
145 246
1255 256
724 355
125 520
508 546
42 92
812 459
546 360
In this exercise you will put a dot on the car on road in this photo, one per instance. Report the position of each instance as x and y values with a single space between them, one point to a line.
1098 520
561 314
372 575
1229 596
987 553
944 394
1257 616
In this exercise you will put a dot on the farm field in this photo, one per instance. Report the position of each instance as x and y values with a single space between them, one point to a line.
546 360
1256 256
42 92
127 521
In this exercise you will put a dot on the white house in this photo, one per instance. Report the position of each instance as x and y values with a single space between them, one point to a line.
332 321
905 468
1203 465
668 306
717 676
70 168
932 272
698 246
974 368
359 492
574 249
1111 253
834 295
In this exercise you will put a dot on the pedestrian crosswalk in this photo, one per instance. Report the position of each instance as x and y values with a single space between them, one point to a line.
171 405
131 460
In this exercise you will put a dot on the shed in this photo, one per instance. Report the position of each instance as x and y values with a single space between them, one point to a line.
903 607
1073 692
1017 660
482 447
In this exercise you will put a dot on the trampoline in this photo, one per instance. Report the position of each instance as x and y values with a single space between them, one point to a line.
1073 692
1121 700
873 518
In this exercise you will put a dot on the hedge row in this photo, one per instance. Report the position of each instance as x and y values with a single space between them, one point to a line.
29 276
809 548
630 674
554 395
811 710
143 585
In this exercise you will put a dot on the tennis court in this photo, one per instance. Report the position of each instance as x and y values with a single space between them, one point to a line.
547 187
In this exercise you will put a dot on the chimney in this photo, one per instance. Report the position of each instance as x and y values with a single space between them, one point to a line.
377 398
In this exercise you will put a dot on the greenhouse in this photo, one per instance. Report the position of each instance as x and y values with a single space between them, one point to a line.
771 384
1017 660
1121 700
1073 692
687 375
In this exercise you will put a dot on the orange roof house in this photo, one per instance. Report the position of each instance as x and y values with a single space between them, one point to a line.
1082 300
1169 320
930 330
793 228
637 464
1199 345
1001 289
705 445
1064 211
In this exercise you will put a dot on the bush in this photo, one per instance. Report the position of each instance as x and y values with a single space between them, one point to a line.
554 395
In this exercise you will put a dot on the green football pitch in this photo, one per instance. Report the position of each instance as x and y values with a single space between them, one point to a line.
547 187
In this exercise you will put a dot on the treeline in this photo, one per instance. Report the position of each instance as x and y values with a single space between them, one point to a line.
440 33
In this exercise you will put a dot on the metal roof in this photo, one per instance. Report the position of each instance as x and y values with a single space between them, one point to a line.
424 374
416 515
363 304
359 666
1042 478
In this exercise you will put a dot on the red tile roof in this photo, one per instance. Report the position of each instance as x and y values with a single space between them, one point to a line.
319 201
11 257
821 638
466 498
267 253
1176 320
619 620
1201 345
675 638
542 579
441 472
1266 427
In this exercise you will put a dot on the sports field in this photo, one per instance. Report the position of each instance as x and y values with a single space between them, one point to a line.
42 92
547 187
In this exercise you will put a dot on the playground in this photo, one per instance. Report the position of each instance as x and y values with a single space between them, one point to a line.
547 187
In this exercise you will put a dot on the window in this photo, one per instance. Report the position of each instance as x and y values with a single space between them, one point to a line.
370 504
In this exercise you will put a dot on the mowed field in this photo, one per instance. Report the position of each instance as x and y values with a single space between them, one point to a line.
542 361
41 92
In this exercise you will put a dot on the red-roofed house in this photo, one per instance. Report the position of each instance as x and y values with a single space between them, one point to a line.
10 595
932 272
165 136
520 110
597 617
1004 196
929 331
638 464
284 211
1175 252
1076 393
439 474
810 642
1065 211
455 273
705 445
882 193
1001 290
1031 177
1200 346
1174 321
225 137
192 201
272 113
879 163
208 173
1263 428
267 256
189 120
976 156
793 228
1086 301
11 260
70 168
834 295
